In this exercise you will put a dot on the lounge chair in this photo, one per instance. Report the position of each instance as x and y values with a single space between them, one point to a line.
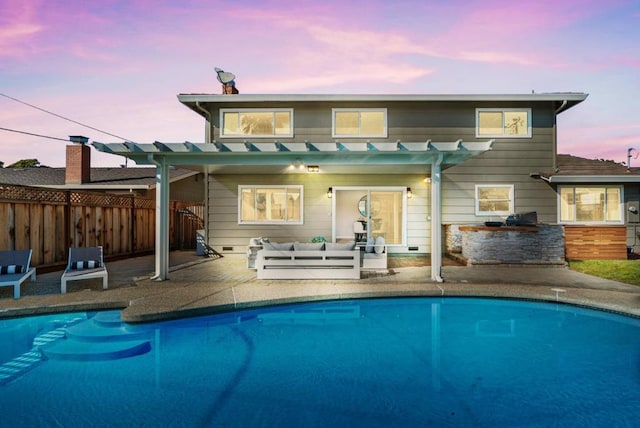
84 263
15 269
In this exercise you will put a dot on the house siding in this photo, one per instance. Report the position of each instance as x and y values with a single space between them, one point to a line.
227 236
509 162
632 199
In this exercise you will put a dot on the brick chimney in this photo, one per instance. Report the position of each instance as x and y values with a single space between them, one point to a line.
78 169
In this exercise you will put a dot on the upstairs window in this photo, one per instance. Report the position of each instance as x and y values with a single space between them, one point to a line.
503 123
591 204
270 204
494 199
256 123
359 123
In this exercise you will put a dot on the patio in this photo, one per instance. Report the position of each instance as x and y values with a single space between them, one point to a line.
200 285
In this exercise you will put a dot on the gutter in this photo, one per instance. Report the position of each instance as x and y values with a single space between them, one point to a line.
592 179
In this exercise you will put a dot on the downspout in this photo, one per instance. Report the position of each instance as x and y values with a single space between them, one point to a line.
207 131
555 135
436 220
162 218
207 136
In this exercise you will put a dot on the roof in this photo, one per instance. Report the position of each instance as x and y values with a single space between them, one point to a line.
574 169
565 100
101 178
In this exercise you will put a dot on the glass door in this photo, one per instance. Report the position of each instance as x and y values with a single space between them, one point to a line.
386 212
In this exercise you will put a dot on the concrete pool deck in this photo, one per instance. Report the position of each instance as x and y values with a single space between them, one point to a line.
199 286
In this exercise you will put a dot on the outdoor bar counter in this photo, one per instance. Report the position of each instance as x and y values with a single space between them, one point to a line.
539 244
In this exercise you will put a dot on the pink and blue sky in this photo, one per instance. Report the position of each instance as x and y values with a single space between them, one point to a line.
117 65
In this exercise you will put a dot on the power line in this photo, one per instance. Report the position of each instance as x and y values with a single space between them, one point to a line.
36 135
64 118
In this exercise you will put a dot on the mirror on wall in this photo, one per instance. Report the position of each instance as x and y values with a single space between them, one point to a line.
362 206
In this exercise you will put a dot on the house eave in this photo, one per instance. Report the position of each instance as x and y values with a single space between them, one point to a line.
94 186
572 179
196 101
551 96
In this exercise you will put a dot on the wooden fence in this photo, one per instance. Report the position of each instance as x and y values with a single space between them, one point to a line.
51 221
595 242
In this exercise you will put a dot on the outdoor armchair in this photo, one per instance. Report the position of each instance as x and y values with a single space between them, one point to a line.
15 269
84 263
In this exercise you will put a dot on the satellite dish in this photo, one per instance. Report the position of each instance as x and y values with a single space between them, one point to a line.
225 77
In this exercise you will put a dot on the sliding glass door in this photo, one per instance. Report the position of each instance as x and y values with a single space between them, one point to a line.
386 214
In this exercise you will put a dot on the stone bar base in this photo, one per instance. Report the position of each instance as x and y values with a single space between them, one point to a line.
531 245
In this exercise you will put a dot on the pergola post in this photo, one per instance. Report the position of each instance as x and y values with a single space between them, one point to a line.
436 220
162 218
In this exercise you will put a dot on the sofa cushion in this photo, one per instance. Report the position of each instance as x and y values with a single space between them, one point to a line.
340 246
277 246
11 269
308 246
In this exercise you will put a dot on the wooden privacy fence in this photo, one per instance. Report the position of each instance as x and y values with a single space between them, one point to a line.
51 221
596 242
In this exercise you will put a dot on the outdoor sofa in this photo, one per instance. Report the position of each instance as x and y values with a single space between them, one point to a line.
294 260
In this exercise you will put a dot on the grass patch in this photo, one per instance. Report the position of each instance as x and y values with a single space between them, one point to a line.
627 271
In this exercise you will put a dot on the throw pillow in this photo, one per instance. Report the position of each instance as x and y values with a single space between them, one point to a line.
11 269
85 264
370 244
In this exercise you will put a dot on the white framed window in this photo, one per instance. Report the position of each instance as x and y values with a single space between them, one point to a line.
257 123
359 123
591 204
503 122
494 199
270 204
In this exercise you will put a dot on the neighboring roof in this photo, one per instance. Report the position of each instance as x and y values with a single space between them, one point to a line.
574 169
565 100
101 178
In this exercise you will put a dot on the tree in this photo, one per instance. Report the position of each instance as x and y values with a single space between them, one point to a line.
27 163
1 164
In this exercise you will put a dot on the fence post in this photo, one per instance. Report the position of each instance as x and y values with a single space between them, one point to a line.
134 231
67 219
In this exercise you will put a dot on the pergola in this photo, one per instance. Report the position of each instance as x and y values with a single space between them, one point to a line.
274 157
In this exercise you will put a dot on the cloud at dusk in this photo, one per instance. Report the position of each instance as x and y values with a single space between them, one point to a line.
118 66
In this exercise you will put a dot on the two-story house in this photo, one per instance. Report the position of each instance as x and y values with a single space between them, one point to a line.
294 167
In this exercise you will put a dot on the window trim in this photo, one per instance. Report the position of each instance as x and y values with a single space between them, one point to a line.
503 110
298 187
511 210
384 134
620 221
256 110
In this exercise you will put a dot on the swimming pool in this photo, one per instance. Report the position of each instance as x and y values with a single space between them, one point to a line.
378 363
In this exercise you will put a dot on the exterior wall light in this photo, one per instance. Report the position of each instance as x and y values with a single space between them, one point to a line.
427 179
313 168
330 192
409 193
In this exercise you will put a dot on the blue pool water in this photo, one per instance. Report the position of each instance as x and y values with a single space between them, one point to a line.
377 363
